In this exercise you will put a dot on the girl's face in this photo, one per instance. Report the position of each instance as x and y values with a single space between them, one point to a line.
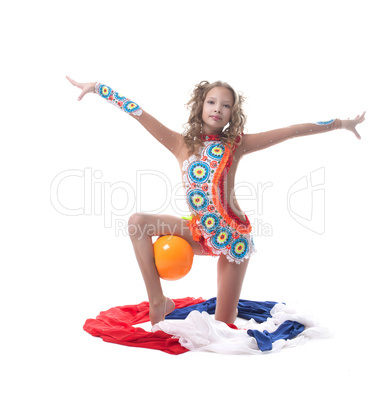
217 110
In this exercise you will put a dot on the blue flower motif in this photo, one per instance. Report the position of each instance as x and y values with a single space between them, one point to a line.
199 172
216 151
130 106
222 238
210 222
104 91
239 247
197 199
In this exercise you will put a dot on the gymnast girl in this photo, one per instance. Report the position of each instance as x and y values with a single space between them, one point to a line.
208 153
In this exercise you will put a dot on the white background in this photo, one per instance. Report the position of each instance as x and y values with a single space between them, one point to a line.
296 62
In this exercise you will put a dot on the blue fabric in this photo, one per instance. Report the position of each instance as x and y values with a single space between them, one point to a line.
259 311
247 309
182 313
287 330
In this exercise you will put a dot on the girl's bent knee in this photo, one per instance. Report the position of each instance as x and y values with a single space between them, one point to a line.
135 219
137 226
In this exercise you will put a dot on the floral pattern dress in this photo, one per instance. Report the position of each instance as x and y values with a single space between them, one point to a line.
212 222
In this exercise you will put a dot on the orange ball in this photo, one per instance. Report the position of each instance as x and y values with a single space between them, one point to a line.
173 257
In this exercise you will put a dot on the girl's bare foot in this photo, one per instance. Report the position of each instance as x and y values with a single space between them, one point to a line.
160 309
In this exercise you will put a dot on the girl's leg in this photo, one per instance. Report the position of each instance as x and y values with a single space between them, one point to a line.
141 228
230 277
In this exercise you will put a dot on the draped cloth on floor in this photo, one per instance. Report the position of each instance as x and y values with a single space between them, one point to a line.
265 327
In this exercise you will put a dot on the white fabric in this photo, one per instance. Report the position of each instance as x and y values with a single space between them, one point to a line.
200 332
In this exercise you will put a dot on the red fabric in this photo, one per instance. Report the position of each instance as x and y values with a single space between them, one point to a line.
116 326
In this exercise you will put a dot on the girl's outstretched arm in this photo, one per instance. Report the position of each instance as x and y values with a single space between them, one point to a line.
170 139
256 142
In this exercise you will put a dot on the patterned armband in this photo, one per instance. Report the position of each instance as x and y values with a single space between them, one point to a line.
325 123
118 100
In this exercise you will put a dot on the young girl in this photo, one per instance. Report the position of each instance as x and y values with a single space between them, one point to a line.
208 154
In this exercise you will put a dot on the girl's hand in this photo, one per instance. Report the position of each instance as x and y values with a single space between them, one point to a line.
86 88
350 124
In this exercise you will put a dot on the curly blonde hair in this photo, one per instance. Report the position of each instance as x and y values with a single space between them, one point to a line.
194 124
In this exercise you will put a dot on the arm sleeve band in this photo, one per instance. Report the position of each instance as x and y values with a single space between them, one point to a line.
122 102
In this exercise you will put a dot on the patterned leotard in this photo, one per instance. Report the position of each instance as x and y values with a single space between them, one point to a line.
213 223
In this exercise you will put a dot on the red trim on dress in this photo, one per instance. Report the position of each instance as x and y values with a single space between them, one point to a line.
218 186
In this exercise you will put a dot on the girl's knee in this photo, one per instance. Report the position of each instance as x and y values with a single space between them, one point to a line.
137 225
136 219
